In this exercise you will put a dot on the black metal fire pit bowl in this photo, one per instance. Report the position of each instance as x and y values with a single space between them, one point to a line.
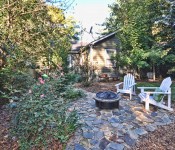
107 100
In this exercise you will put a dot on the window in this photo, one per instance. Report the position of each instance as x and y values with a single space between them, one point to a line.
109 61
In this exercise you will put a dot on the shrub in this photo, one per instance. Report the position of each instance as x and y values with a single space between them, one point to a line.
13 84
73 77
10 79
22 81
42 115
72 93
38 121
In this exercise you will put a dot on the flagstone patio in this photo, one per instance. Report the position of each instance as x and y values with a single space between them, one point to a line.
115 129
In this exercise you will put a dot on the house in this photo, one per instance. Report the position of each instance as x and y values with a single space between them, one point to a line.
75 55
99 54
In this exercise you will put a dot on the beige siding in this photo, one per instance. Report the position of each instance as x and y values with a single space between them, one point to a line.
99 54
108 44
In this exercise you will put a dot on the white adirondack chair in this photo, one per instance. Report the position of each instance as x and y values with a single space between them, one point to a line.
128 85
147 96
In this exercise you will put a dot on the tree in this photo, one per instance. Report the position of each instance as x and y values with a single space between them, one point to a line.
135 22
165 33
154 55
31 30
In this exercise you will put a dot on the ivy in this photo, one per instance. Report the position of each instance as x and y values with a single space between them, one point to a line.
42 115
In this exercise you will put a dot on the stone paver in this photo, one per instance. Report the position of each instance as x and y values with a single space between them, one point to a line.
116 129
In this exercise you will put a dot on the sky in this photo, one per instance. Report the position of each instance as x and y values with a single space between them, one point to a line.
89 13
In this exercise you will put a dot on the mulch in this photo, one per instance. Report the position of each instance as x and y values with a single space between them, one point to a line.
6 142
161 139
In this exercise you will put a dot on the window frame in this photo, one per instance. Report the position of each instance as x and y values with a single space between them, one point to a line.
108 58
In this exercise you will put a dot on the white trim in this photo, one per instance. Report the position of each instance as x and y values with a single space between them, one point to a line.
102 38
91 54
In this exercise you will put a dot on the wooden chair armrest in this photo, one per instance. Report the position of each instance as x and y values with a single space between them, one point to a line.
132 85
146 87
142 89
119 84
152 92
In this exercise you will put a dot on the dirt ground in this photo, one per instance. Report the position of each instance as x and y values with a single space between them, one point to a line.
6 142
161 139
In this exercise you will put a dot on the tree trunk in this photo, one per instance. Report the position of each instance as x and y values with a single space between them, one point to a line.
138 73
154 72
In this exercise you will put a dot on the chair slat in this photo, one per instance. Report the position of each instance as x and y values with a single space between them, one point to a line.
165 89
128 85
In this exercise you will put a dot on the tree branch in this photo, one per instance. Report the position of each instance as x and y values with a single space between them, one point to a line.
7 7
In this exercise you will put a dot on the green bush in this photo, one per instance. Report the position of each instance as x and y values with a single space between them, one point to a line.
22 81
72 93
10 79
73 77
5 79
42 115
13 84
65 125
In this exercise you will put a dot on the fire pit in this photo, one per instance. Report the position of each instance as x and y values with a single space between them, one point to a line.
107 100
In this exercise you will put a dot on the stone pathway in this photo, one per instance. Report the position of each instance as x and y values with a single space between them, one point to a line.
116 129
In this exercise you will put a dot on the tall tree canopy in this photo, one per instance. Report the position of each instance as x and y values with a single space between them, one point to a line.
31 30
141 28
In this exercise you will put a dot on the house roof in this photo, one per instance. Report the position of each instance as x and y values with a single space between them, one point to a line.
76 47
102 38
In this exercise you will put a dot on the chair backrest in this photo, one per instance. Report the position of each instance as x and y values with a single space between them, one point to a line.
128 81
165 85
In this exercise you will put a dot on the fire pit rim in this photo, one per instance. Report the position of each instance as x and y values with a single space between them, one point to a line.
115 95
107 100
108 103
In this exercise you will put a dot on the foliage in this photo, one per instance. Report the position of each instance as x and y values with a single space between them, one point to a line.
42 114
144 27
72 77
72 93
121 59
66 125
14 83
32 31
87 70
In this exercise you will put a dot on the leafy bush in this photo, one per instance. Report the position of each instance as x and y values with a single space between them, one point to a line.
73 77
42 115
22 81
38 121
11 79
5 79
66 125
71 93
13 84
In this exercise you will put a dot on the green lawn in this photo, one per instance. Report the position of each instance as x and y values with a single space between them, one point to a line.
155 84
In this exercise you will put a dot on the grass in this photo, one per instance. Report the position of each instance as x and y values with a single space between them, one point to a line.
155 84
